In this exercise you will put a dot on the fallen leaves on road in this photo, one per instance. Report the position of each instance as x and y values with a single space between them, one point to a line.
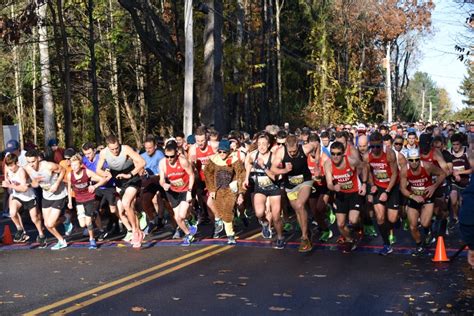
219 282
278 309
176 299
319 275
138 309
315 298
225 295
18 295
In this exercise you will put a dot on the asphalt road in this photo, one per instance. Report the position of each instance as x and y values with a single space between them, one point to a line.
250 278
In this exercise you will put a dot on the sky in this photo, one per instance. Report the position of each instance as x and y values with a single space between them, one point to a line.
439 59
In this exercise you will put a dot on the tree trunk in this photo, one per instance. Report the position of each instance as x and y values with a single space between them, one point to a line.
278 7
131 120
93 74
188 69
67 105
212 91
33 97
18 88
114 75
221 118
48 103
237 76
264 112
140 78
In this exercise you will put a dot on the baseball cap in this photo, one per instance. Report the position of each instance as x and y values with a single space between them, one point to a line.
224 145
11 146
53 142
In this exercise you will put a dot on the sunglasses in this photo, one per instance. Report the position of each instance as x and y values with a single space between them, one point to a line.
222 152
398 144
283 143
414 160
375 146
171 156
337 154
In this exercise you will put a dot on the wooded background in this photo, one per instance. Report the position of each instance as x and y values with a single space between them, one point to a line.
81 69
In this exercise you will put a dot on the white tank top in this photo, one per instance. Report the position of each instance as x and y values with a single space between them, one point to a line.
26 196
48 180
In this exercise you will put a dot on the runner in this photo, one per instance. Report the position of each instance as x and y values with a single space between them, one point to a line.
49 176
461 171
384 187
150 198
22 196
298 181
258 168
79 181
417 185
342 177
319 197
199 155
224 177
125 166
177 179
106 196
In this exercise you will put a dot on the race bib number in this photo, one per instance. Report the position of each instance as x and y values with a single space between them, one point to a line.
459 168
381 175
420 191
177 183
347 185
264 181
295 180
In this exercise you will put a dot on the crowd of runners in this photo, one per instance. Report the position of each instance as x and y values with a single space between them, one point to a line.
368 180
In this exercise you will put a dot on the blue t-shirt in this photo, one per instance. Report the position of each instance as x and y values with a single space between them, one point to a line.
152 162
92 165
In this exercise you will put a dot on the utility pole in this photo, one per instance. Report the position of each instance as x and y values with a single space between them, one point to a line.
423 103
388 85
188 68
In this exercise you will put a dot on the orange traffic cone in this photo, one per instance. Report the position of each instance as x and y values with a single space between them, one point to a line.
440 254
7 236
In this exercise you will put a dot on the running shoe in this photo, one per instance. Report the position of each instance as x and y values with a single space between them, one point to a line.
92 244
331 216
305 245
142 221
187 240
279 244
102 235
392 238
42 242
218 226
59 245
349 247
419 250
6 214
325 236
137 239
341 239
177 234
405 224
369 230
429 240
128 237
231 240
20 236
387 249
266 231
68 228
287 227
192 230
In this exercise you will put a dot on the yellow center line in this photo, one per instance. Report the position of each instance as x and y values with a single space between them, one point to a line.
139 282
131 277
116 282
